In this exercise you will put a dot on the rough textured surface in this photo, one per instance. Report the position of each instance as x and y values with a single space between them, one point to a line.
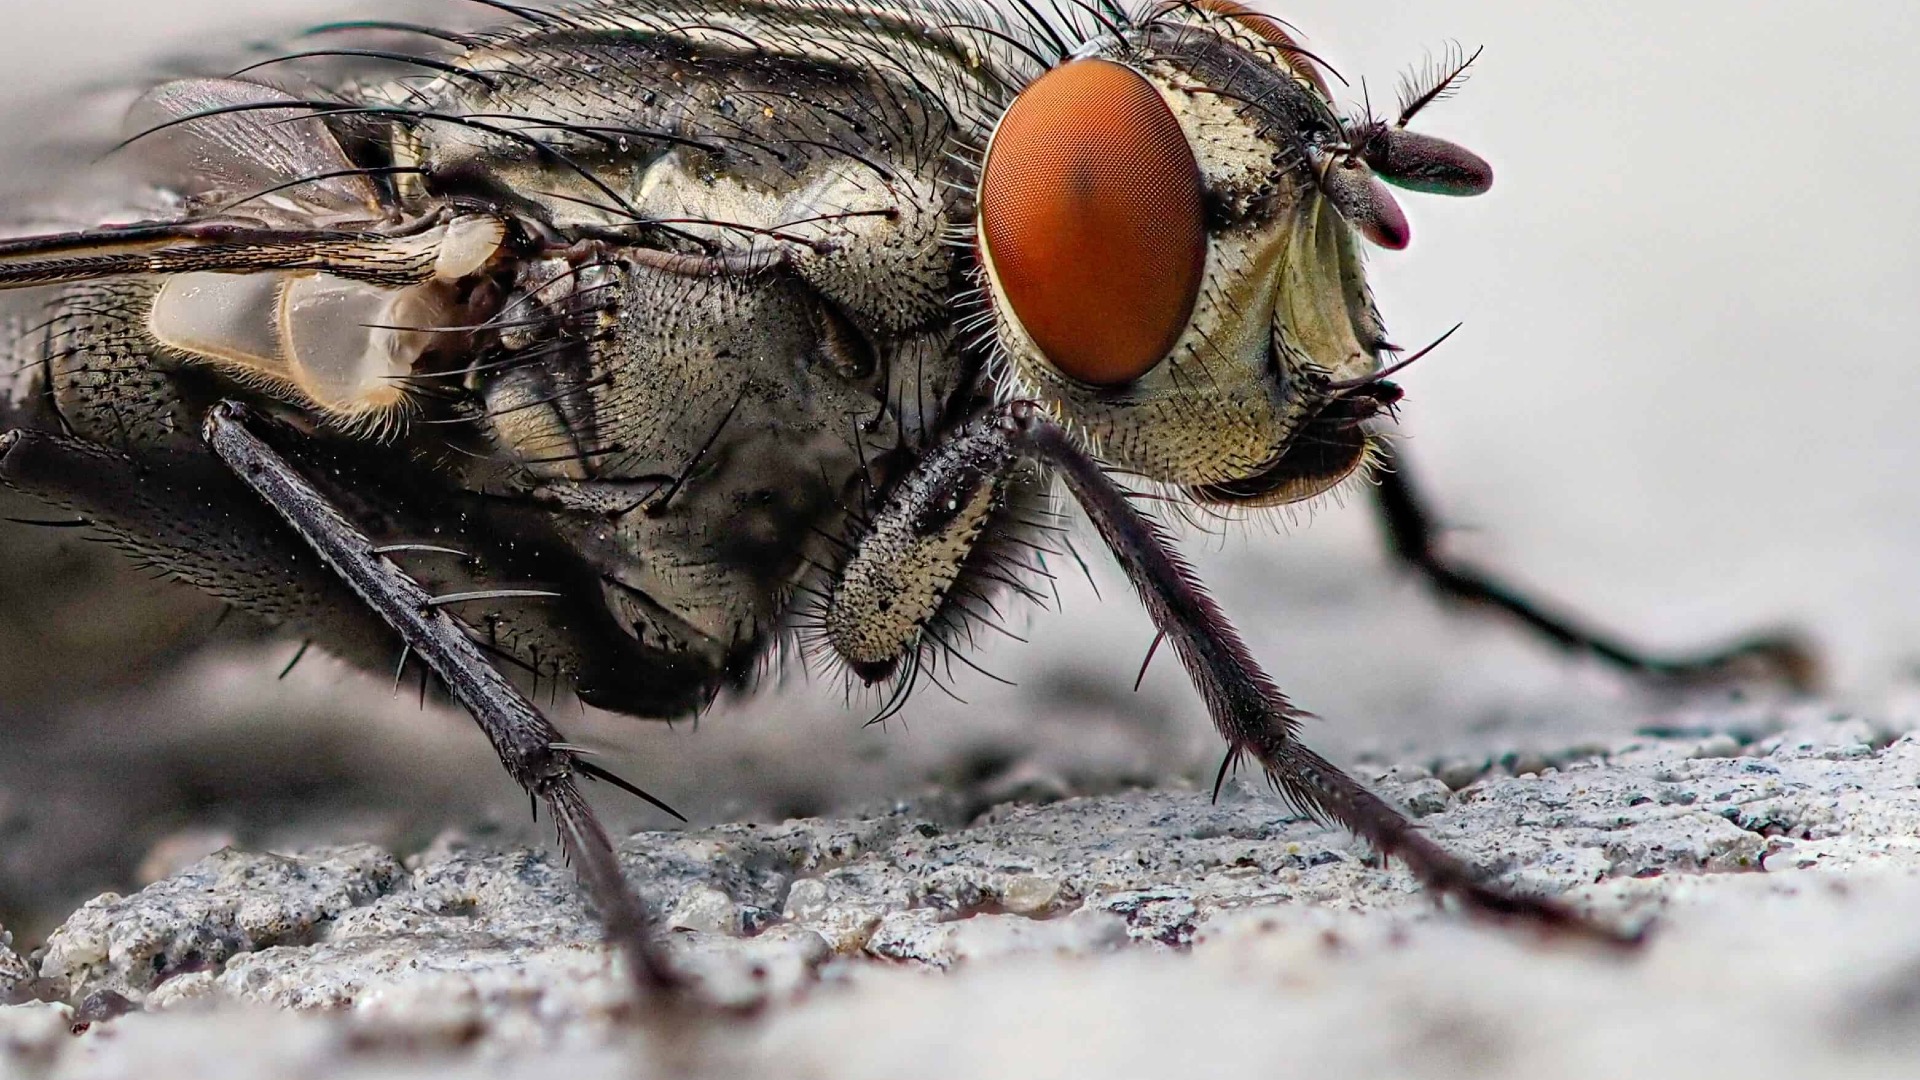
1778 858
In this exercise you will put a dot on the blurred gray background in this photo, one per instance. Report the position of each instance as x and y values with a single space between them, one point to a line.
1682 404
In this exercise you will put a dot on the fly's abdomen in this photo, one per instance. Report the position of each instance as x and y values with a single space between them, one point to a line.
94 362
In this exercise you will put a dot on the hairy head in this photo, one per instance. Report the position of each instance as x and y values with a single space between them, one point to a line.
1170 222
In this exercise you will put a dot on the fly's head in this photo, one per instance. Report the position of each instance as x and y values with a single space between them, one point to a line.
1170 224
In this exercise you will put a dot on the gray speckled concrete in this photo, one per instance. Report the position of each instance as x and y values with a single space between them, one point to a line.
1148 933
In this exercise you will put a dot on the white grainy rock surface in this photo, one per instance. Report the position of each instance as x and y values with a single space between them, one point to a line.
1142 934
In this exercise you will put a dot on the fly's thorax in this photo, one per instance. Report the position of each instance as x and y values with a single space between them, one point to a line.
701 435
1206 363
764 319
872 240
723 130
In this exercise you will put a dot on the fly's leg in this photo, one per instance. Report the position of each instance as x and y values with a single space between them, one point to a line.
184 512
527 743
1414 538
1247 707
908 563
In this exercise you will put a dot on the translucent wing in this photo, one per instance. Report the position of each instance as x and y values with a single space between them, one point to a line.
408 256
331 319
221 144
286 271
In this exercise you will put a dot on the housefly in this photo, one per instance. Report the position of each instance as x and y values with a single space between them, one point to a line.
623 346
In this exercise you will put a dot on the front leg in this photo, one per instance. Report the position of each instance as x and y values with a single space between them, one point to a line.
528 744
896 583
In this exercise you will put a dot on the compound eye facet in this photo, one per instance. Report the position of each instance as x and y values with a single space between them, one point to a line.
1093 222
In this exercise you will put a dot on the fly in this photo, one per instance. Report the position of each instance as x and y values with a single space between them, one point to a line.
624 347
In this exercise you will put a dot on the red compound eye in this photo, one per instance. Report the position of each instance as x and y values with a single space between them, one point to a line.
1092 219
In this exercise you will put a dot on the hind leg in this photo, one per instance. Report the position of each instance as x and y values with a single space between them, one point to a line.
241 524
528 744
